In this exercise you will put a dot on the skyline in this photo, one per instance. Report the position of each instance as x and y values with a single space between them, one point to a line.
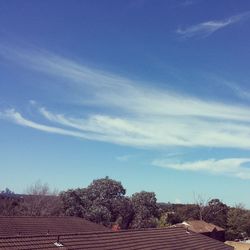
155 95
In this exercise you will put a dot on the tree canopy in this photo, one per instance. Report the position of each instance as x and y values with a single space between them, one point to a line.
103 201
146 211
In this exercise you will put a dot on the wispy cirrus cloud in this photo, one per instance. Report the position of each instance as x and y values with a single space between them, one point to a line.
207 28
237 89
16 117
97 133
124 158
111 90
141 132
229 166
157 130
135 114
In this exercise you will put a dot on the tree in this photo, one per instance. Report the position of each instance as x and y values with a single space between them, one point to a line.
201 204
103 201
216 212
75 202
40 201
123 212
238 222
9 203
186 212
212 211
146 211
7 192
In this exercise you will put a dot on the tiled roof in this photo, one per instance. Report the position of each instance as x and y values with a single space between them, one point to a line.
200 226
173 238
238 245
14 225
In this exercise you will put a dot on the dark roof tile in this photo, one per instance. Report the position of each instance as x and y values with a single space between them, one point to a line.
22 225
174 238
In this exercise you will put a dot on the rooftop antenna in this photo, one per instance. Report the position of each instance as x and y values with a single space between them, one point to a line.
58 243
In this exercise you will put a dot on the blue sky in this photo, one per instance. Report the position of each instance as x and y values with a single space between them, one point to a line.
154 94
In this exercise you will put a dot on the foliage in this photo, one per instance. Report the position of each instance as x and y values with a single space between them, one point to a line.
38 201
216 212
74 202
103 201
9 207
123 212
173 218
7 192
168 219
186 212
238 222
146 211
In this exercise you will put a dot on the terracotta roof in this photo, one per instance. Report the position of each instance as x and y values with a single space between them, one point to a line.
13 225
173 238
238 245
200 226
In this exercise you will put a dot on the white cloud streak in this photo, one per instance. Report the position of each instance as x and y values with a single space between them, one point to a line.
160 131
208 28
124 158
147 117
12 115
237 89
229 166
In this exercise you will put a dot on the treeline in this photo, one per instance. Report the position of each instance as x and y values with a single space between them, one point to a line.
37 201
235 220
104 201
